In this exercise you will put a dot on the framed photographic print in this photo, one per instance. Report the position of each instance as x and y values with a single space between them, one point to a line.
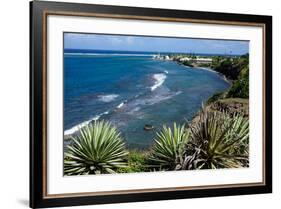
140 104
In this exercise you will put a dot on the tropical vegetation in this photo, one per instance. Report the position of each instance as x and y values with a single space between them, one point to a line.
237 70
168 150
137 161
218 140
98 148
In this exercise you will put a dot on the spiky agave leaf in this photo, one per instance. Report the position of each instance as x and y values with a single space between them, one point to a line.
98 148
218 140
169 147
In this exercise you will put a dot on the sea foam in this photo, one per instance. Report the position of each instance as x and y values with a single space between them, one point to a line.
76 128
108 98
120 105
159 80
83 124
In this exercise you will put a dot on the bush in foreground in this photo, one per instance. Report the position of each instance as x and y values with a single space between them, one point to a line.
97 149
168 150
218 140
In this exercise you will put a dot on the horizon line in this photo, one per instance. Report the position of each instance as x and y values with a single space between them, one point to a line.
202 53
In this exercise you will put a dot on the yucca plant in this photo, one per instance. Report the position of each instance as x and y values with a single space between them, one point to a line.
98 148
218 140
167 153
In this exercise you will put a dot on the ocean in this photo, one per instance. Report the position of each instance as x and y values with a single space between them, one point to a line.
130 89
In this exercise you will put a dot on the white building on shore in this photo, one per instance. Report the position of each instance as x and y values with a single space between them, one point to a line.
161 57
197 60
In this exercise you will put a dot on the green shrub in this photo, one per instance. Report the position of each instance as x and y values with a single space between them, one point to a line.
168 150
137 162
188 63
240 87
98 148
230 66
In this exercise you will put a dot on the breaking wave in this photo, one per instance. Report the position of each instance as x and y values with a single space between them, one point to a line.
159 80
76 128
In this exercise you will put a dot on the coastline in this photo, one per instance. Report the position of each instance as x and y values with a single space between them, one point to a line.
158 78
222 75
207 69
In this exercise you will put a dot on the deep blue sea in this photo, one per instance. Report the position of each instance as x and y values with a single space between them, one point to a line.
131 89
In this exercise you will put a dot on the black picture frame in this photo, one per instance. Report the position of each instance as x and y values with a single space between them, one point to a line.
38 12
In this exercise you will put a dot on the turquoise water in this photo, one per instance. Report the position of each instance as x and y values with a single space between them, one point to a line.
132 90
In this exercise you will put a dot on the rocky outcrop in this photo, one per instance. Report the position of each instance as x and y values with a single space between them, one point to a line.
230 105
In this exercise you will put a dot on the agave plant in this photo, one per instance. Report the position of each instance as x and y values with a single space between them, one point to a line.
98 148
218 140
167 153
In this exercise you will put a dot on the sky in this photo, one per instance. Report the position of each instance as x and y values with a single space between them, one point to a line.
154 44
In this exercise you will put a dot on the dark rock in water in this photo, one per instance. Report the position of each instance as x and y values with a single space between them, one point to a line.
148 127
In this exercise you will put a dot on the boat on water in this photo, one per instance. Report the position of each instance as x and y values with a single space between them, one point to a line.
148 127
